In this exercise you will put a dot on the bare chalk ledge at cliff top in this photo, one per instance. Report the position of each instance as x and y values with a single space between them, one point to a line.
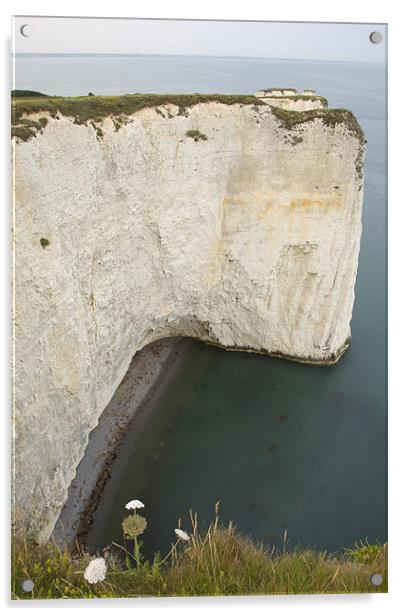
234 219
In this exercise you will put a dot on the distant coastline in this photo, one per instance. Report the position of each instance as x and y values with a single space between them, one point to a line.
169 55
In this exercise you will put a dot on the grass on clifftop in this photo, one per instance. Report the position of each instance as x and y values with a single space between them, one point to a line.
218 561
330 117
300 97
27 94
95 108
84 109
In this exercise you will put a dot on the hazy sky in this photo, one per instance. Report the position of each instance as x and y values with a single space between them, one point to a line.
345 42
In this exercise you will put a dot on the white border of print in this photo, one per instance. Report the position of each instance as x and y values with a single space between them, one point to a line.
293 10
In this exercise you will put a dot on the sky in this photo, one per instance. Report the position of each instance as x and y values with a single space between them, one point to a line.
314 41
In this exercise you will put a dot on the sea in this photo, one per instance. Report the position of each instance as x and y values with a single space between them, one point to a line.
295 454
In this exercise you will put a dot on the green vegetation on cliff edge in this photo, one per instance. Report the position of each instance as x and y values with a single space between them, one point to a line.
217 561
300 97
84 109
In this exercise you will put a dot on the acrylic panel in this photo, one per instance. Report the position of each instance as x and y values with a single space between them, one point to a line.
199 251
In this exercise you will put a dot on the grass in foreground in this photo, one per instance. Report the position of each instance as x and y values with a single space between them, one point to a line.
217 561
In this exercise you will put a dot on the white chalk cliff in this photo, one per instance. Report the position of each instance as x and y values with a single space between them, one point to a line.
245 234
292 100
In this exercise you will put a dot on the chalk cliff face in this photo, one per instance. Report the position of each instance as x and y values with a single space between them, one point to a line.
291 99
244 233
295 103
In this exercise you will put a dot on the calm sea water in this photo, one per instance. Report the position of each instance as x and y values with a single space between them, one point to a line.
281 445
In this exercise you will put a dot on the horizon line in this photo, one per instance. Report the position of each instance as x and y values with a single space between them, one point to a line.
22 54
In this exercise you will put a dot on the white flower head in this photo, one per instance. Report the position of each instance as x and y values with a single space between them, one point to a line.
95 571
134 504
182 534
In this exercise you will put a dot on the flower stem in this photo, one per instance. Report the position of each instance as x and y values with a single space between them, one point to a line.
136 551
171 552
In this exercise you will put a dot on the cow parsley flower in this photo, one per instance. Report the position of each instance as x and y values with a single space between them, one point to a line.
182 534
95 571
134 504
134 525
